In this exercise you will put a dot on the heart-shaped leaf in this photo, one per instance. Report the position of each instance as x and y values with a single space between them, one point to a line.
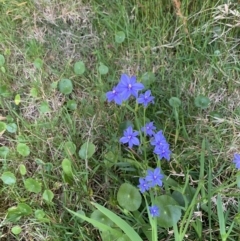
129 197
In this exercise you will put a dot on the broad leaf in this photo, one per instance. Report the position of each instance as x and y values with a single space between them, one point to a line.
23 149
65 86
129 197
48 196
79 68
170 212
87 150
8 178
32 185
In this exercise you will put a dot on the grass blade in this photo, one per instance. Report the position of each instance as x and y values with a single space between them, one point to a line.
126 228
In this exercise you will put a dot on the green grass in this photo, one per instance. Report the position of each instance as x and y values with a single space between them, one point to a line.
202 60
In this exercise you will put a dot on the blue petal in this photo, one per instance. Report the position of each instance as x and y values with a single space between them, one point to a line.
124 80
124 140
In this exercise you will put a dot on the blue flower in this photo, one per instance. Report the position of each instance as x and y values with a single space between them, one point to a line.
161 146
154 177
158 139
128 86
145 98
149 129
236 160
114 95
129 136
163 151
154 211
143 185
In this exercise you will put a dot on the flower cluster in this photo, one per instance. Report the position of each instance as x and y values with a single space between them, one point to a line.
152 179
161 147
128 86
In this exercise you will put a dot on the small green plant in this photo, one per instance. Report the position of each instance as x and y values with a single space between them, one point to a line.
65 86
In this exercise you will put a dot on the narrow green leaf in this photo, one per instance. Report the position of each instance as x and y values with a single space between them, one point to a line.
95 223
124 226
221 216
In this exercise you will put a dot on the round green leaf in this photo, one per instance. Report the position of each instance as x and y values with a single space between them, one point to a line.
3 126
32 185
16 230
4 150
174 102
202 101
39 214
72 105
147 79
67 167
38 63
170 212
22 169
65 86
79 68
23 149
17 99
69 148
34 92
12 127
24 209
15 213
8 178
3 69
129 197
54 85
48 196
119 37
103 69
2 60
87 150
44 107
99 216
